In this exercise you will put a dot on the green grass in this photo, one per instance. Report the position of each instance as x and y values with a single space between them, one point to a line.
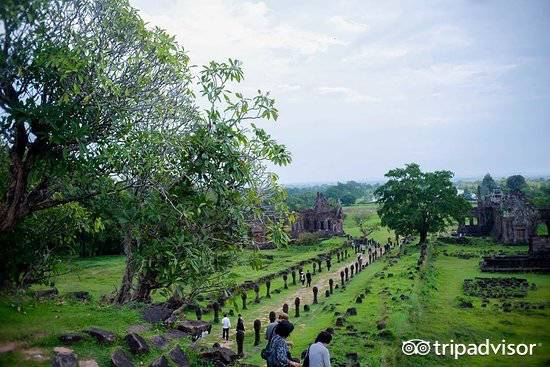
415 304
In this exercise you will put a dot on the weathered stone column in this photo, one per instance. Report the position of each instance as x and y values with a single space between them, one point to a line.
285 278
342 278
198 312
346 270
285 308
268 287
243 297
297 305
293 276
216 307
257 328
240 343
315 291
257 291
331 285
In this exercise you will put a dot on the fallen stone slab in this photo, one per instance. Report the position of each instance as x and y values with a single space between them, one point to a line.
156 313
179 357
194 327
64 357
46 293
159 341
102 336
120 359
136 343
220 356
80 295
159 362
70 338
88 363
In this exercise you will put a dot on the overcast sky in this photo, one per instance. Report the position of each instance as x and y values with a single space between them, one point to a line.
366 86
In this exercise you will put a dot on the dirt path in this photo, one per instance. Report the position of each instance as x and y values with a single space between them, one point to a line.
261 312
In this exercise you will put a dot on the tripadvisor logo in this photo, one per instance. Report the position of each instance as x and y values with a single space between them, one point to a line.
423 347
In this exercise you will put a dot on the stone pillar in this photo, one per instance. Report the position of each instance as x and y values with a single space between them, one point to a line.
338 256
285 308
346 270
331 285
297 305
240 343
327 293
267 288
328 264
351 268
285 278
216 307
315 290
293 277
257 328
319 263
243 297
257 291
342 278
198 312
314 267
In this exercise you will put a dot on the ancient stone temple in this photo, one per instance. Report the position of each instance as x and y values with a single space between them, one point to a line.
508 218
322 218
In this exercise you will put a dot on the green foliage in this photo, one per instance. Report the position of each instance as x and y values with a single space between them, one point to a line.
307 239
348 193
487 185
366 225
412 201
516 183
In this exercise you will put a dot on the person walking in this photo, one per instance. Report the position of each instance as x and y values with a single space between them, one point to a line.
317 353
240 323
271 326
278 355
226 325
308 278
302 277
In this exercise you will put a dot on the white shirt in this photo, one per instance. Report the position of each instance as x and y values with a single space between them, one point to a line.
226 324
319 355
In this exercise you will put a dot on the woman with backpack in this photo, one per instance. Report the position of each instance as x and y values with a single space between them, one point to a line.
317 354
277 352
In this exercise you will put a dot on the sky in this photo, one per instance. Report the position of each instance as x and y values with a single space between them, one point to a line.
366 86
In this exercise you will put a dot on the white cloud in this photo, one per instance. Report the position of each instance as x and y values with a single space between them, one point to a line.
347 94
347 25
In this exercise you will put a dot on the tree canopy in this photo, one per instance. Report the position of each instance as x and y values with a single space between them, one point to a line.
415 202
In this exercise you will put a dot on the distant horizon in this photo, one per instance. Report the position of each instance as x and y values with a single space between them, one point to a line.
383 179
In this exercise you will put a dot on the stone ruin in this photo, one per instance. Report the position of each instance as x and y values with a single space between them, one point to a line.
322 219
509 218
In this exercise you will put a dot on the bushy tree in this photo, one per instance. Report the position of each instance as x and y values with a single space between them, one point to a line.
487 185
516 183
415 202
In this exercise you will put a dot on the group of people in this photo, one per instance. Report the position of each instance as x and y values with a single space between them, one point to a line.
305 278
277 351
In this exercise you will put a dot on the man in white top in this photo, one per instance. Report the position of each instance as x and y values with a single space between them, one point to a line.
318 353
226 325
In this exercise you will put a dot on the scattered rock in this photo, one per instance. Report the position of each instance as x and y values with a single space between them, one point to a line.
46 293
64 357
9 347
69 338
359 300
175 334
179 357
306 308
194 327
35 354
156 313
160 362
380 325
352 311
88 363
136 343
139 328
339 321
464 303
120 359
159 341
80 295
220 356
102 336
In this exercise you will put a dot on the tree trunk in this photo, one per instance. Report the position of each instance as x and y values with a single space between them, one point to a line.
124 293
146 284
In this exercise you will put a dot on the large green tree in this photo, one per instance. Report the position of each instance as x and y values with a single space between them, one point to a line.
75 78
415 202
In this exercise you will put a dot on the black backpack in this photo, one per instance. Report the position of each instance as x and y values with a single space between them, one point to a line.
306 358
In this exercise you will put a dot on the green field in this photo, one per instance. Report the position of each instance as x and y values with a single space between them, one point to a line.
399 302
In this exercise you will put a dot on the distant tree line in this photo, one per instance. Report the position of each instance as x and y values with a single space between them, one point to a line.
349 193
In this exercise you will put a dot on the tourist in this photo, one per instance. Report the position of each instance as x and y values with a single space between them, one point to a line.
226 324
271 326
308 278
318 353
278 355
302 277
240 323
